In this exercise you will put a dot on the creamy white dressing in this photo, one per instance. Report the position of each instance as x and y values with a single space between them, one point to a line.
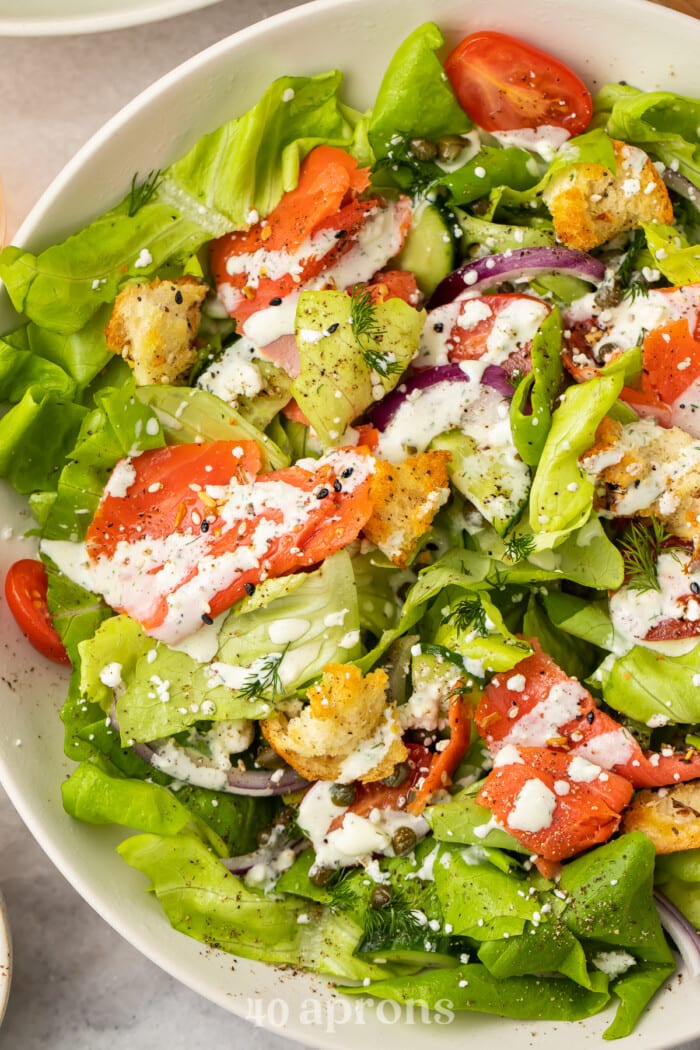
378 241
545 140
634 613
192 767
234 375
685 410
535 728
607 750
533 807
370 751
514 326
623 325
179 568
358 838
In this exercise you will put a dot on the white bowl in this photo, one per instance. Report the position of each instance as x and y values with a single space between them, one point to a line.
5 959
61 17
604 40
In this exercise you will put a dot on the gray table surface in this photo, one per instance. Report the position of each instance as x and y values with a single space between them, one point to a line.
77 985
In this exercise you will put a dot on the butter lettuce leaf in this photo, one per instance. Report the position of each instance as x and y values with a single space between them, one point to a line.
337 382
205 901
415 98
561 498
248 163
662 123
62 288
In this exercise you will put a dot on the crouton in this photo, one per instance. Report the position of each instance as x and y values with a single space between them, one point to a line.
153 326
590 204
644 470
406 498
669 816
346 732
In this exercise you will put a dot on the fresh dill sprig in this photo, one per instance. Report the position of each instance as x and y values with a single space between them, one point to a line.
640 548
394 923
264 682
342 894
469 615
626 268
636 288
142 192
519 547
367 330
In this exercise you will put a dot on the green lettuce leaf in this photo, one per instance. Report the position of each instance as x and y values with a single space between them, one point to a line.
247 164
27 459
643 684
339 379
415 98
472 987
64 286
678 875
662 123
205 901
533 399
188 415
561 498
677 260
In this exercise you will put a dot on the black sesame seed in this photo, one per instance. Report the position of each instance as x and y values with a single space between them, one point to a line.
206 618
204 527
322 493
276 301
333 327
438 327
340 234
337 486
178 297
347 472
695 587
590 717
250 588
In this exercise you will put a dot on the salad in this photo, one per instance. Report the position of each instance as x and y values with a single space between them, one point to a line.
369 529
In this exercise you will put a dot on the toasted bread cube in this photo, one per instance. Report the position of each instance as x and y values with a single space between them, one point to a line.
590 204
644 470
669 816
154 326
346 714
406 498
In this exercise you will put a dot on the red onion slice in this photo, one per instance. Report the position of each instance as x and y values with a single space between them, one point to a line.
682 186
683 933
260 783
491 270
240 865
384 411
497 378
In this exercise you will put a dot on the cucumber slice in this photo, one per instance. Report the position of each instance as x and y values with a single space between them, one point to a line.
430 248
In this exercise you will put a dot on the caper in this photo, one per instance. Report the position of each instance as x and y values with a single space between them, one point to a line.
403 840
267 758
321 876
399 774
379 897
449 147
423 149
264 837
342 794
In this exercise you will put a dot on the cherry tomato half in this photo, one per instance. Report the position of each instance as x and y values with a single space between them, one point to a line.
25 593
504 84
